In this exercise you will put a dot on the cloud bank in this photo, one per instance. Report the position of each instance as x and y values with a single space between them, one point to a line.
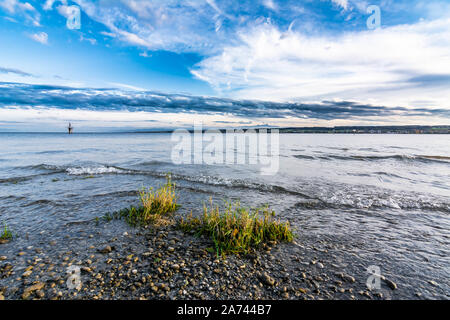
26 103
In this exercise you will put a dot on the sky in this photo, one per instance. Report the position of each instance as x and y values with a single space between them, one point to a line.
145 64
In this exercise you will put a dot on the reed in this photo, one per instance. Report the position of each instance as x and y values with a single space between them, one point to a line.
6 234
237 229
156 206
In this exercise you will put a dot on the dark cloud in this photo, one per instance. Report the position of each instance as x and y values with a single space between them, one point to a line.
13 94
431 80
15 71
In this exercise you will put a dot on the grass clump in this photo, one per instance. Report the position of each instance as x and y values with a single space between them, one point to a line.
6 234
237 229
156 206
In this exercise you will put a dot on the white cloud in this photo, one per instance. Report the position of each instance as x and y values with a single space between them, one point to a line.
64 10
25 9
48 5
145 55
10 19
370 66
126 86
270 4
341 3
108 34
193 25
9 5
90 40
40 37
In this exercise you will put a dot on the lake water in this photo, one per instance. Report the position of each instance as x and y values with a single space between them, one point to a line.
385 198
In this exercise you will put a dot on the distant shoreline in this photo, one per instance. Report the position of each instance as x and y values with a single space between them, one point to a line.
306 130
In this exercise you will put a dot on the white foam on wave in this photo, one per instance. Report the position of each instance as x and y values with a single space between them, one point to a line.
377 198
77 171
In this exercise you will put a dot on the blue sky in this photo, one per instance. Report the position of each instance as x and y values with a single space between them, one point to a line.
311 62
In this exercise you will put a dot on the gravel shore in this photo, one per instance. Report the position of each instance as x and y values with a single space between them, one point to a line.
165 263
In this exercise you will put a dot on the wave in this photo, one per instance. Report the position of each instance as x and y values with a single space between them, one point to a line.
43 202
18 179
151 163
374 202
324 195
95 170
45 152
360 198
42 166
440 158
379 173
70 170
12 197
398 157
301 156
49 152
201 178
314 197
117 194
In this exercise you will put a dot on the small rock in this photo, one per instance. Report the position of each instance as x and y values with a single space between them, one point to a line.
176 266
106 249
268 280
346 277
390 284
378 294
28 291
433 283
27 273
